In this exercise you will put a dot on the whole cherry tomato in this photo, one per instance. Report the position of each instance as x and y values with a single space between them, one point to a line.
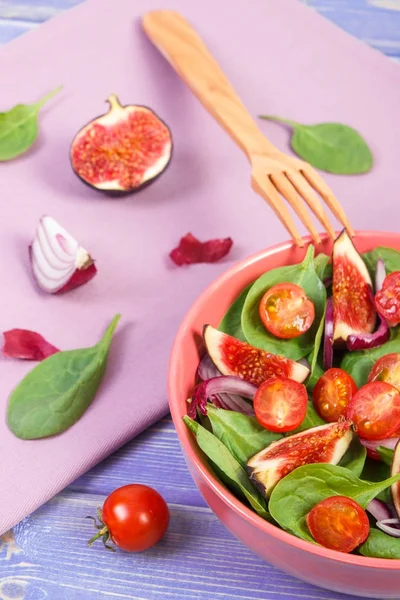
338 523
286 311
134 517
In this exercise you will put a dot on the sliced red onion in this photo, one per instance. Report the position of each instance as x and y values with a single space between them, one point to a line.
386 443
390 526
363 341
26 344
207 369
59 263
328 335
379 510
217 386
234 402
380 274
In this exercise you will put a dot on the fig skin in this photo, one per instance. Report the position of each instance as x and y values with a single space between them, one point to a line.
121 193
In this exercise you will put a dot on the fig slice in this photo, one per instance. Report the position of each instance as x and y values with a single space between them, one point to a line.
123 150
353 307
322 444
234 357
395 469
59 263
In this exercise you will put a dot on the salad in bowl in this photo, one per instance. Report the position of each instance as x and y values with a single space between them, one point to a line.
296 399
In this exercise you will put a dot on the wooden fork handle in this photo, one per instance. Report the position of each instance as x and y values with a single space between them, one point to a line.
183 48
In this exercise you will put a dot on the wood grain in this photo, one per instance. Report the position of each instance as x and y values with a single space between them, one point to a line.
46 557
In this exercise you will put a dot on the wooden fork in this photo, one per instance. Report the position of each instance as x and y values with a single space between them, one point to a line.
273 174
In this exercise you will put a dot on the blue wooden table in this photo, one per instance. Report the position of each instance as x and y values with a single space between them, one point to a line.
46 556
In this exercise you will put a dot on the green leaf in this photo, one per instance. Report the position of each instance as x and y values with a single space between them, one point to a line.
358 364
323 267
228 468
312 419
390 257
331 147
302 274
19 127
386 455
354 458
375 470
232 321
241 434
380 545
313 358
296 494
56 393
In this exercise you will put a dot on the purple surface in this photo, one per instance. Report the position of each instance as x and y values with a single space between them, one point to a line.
206 190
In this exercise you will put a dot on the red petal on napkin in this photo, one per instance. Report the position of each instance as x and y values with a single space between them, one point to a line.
28 345
191 250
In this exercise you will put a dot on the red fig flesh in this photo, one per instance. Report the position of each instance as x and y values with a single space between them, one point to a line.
322 444
58 261
353 308
123 150
234 357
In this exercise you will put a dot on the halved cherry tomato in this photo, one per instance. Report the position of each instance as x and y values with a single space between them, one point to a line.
375 410
280 404
387 300
338 523
332 393
387 368
285 310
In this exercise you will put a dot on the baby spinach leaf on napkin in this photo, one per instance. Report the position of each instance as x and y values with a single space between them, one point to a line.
56 393
380 545
302 274
296 494
228 468
232 321
19 127
331 147
241 434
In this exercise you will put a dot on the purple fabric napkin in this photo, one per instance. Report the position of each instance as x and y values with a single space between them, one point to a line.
283 59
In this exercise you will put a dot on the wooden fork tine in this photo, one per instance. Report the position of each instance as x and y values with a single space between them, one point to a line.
308 194
288 191
266 189
329 197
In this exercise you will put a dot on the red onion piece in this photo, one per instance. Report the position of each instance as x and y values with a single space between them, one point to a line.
25 344
386 443
191 250
380 274
390 526
328 335
59 263
207 369
362 341
379 510
224 386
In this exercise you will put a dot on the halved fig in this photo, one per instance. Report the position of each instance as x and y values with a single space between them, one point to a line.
123 150
395 469
353 308
234 357
322 444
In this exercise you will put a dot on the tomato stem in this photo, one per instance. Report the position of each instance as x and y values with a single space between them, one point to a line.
98 535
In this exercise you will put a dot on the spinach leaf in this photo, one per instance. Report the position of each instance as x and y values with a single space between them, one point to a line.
315 374
56 393
232 321
314 353
241 434
19 127
380 545
386 455
375 470
303 275
227 467
295 495
322 268
390 257
358 364
312 419
354 458
331 147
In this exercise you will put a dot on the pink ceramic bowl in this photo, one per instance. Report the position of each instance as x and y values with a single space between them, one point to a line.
358 575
